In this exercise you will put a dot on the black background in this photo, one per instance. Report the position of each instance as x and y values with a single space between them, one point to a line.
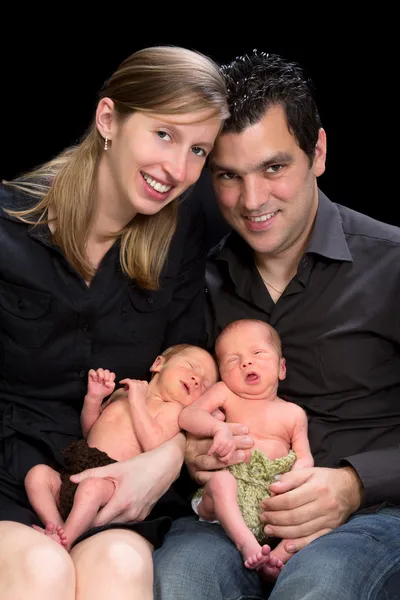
50 76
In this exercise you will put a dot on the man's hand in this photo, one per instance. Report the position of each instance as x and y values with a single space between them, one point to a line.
309 503
200 465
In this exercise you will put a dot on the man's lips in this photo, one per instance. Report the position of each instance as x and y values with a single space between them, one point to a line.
260 222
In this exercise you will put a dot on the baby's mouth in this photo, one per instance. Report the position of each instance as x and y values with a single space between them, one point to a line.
185 387
251 376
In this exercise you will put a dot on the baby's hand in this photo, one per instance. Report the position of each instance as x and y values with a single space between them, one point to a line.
223 444
135 388
101 383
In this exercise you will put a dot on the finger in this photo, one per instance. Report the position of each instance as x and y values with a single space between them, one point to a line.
291 480
92 374
295 498
218 414
296 531
205 462
125 381
112 376
280 552
110 513
294 545
98 472
243 442
238 428
295 516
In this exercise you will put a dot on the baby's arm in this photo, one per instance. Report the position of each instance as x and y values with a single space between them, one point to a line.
149 431
101 383
198 420
300 443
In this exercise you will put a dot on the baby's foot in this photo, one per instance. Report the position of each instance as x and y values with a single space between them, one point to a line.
270 570
55 532
256 557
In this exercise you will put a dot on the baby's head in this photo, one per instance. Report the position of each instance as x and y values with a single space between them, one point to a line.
183 372
249 355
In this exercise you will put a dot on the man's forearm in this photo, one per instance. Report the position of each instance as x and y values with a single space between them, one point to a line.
379 475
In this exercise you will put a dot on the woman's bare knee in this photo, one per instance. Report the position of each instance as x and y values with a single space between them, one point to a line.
122 553
32 559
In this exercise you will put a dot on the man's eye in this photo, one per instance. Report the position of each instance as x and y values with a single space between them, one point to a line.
164 135
227 176
274 168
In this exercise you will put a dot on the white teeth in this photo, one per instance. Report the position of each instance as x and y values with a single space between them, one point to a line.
156 184
262 218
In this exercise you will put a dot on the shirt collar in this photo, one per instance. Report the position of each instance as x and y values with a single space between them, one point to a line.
328 238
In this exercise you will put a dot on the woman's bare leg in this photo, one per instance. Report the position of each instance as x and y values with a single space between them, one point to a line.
33 566
116 563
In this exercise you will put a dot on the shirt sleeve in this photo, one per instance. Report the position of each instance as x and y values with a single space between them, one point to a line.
379 471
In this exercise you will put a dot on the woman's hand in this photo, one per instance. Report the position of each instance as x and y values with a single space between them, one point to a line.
139 481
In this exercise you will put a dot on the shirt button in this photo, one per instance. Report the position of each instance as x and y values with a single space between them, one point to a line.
150 300
82 373
85 327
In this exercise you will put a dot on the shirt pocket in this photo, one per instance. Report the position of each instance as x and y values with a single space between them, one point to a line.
25 316
146 314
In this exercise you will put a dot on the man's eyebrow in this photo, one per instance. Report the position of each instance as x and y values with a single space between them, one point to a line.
278 158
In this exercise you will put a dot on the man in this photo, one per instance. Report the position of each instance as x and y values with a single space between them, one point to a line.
328 279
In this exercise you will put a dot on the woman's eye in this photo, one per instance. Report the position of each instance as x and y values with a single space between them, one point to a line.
164 135
198 151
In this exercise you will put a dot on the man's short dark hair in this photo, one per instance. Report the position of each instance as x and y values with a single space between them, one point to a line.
258 81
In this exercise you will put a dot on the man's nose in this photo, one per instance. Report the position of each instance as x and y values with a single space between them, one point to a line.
254 195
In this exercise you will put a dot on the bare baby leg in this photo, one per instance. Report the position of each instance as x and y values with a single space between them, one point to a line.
91 495
42 484
219 502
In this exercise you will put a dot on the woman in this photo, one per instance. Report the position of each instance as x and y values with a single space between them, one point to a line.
101 265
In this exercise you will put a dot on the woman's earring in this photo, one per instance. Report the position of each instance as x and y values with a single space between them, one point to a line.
106 143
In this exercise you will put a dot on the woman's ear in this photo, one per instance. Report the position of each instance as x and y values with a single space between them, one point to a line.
105 117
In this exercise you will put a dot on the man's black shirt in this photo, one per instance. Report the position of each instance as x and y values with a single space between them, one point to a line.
339 322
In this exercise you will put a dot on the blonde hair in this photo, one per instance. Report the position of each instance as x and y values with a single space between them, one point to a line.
178 348
161 79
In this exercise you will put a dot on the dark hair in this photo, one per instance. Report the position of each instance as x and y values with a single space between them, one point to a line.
258 81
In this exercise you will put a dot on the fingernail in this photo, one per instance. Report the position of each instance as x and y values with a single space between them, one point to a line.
277 477
247 440
267 530
243 430
290 548
239 455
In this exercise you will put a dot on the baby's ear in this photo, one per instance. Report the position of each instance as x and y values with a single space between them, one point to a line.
282 369
157 364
